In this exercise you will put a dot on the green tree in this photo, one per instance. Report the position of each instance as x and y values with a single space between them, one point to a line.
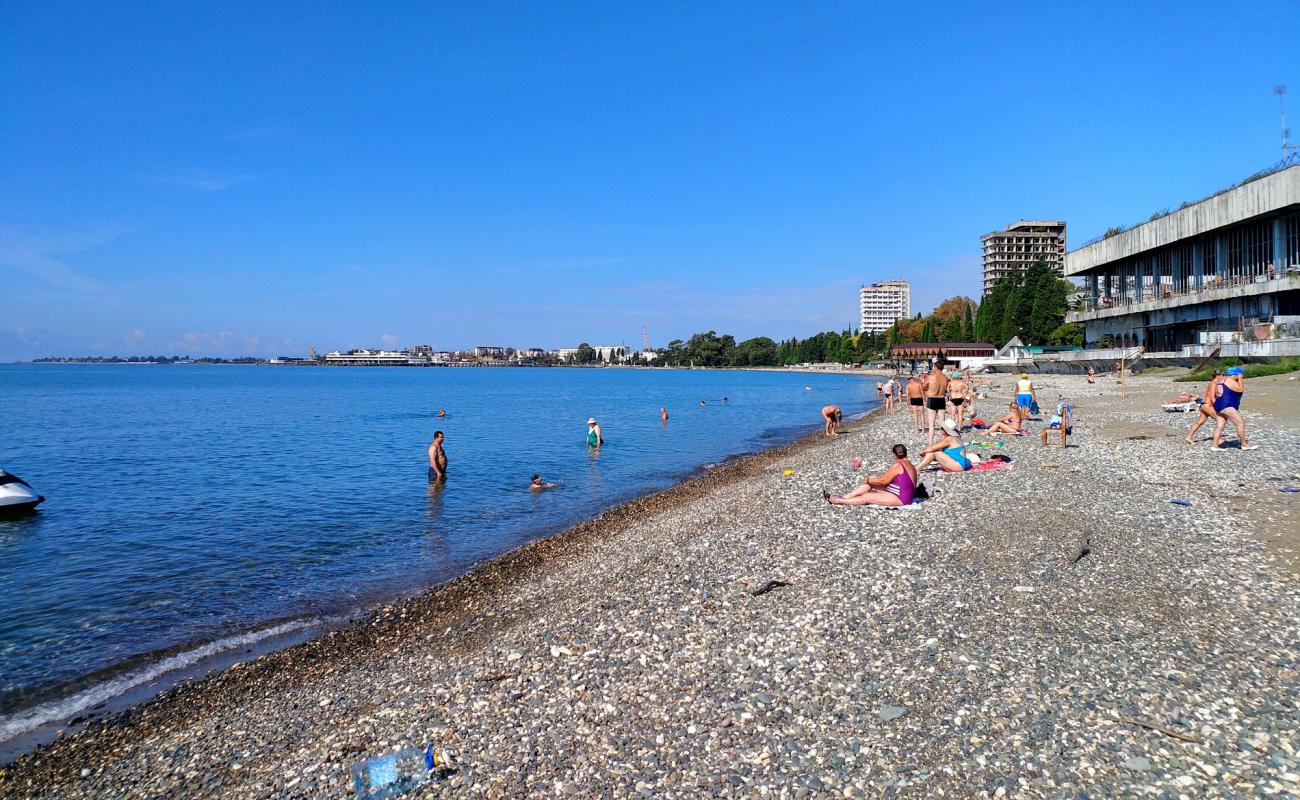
585 354
757 352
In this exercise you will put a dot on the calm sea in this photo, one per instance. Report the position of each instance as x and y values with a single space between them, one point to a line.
197 509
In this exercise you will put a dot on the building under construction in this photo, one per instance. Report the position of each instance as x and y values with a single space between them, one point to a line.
1020 244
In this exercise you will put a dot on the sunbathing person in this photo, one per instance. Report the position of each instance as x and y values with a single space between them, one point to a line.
1207 411
949 452
1009 424
895 487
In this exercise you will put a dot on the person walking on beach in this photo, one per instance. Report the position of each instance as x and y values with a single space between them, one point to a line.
594 437
1228 406
437 459
887 391
936 399
896 487
916 399
1026 395
832 415
1206 411
958 394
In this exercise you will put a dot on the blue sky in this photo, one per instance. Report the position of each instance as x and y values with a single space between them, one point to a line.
256 178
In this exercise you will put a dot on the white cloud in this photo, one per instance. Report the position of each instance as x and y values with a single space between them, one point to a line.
230 343
201 180
41 253
133 338
389 339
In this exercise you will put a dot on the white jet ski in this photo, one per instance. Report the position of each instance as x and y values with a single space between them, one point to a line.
16 496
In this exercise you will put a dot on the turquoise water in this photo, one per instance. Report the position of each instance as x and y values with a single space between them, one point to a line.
189 505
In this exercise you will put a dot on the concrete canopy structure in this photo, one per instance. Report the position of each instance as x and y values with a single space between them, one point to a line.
1214 267
1020 244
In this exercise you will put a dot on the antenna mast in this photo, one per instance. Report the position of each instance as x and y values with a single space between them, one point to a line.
1290 152
645 339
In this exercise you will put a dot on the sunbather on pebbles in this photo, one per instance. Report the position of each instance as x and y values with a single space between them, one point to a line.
896 487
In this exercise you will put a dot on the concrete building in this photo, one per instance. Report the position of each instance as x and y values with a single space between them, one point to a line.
489 352
1224 272
1020 244
882 304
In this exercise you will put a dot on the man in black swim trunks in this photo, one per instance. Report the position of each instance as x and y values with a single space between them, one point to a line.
936 399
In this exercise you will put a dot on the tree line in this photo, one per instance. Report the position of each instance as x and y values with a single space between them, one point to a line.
1031 304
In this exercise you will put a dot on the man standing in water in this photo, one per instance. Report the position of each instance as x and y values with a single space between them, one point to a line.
936 399
437 459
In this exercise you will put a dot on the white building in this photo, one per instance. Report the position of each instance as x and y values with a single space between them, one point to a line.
371 358
882 304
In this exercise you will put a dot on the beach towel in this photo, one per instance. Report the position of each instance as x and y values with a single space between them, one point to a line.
992 465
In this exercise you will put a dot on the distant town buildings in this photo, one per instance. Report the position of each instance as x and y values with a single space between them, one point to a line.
882 304
1218 276
1020 244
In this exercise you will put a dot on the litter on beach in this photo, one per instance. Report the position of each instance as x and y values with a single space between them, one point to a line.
1181 502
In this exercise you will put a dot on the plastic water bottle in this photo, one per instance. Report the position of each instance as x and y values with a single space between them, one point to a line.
397 773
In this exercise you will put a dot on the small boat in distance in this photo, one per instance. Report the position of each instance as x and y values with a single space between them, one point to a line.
16 496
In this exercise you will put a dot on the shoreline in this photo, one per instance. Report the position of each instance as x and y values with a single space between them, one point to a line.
510 565
950 649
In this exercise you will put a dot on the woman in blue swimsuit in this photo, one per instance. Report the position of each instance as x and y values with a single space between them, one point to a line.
1228 406
949 452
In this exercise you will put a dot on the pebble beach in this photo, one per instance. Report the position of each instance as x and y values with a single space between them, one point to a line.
1061 629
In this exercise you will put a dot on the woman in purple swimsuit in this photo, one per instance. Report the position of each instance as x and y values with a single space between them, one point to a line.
894 488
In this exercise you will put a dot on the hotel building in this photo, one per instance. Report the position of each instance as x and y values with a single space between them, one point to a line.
882 304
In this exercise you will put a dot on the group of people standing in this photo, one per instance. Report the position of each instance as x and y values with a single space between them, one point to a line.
932 397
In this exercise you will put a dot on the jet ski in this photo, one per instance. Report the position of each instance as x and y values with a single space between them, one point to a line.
16 496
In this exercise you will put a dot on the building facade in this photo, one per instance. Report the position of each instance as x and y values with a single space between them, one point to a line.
1222 271
882 304
1020 244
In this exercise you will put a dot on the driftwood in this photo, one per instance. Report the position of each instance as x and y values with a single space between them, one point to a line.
769 586
494 678
1080 550
1154 727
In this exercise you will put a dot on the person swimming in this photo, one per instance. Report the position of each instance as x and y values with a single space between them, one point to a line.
663 413
442 412
896 487
536 484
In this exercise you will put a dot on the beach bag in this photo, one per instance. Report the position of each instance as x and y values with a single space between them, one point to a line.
1033 408
921 492
978 423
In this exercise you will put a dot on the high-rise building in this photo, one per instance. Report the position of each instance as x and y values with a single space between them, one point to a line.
882 304
1020 244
